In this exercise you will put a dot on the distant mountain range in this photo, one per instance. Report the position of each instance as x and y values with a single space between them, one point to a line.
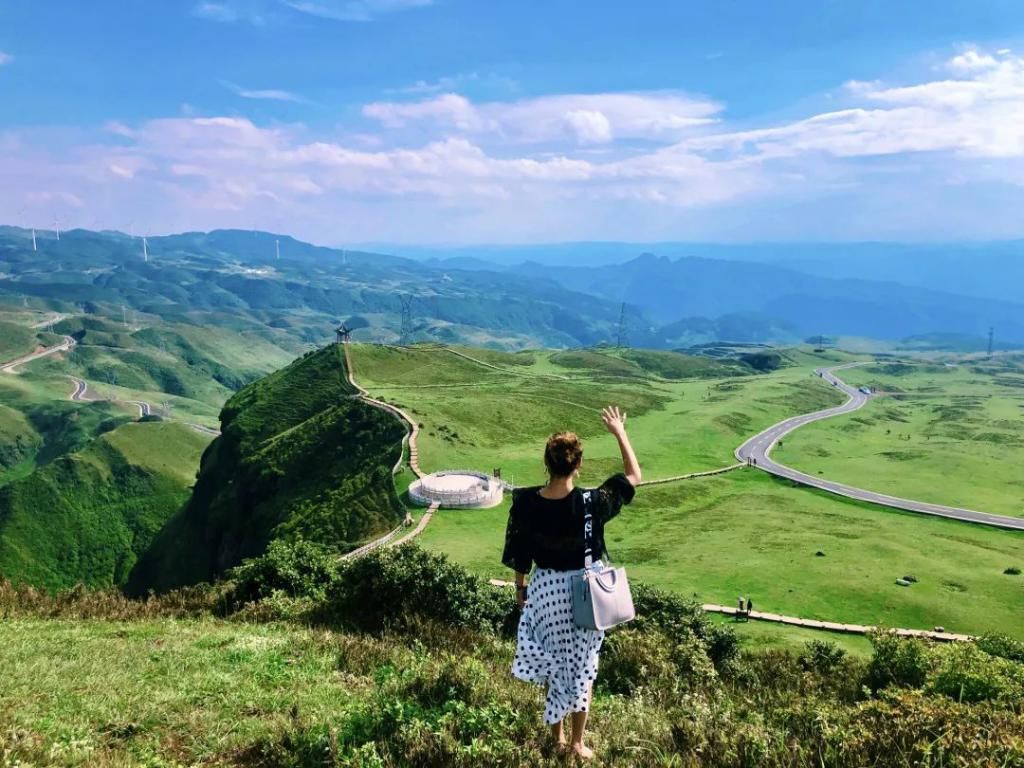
986 269
884 290
566 295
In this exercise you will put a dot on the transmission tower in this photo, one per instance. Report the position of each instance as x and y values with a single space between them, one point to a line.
622 339
405 338
991 338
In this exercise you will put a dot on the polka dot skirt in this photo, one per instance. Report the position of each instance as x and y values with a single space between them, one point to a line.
551 649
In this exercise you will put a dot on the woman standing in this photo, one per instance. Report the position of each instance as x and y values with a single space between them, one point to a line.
545 528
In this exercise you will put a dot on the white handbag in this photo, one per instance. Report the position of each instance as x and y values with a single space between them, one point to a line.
600 595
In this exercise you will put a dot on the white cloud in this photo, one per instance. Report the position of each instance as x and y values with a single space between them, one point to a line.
267 94
5 58
979 114
972 61
569 165
449 110
589 126
587 118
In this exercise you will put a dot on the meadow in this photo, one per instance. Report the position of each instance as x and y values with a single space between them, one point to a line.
944 433
742 533
480 417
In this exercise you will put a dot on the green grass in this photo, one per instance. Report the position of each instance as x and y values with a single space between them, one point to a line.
717 538
17 340
748 534
19 443
163 692
476 417
951 439
88 515
761 635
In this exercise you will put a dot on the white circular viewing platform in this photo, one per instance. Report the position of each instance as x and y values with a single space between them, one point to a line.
457 489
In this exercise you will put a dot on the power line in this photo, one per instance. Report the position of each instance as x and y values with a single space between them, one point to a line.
405 337
991 338
622 339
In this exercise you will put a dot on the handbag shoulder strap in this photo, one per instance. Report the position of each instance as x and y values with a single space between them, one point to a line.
588 529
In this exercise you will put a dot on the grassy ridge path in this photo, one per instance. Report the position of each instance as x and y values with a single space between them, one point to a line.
388 540
758 449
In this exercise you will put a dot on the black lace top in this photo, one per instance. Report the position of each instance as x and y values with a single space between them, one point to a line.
549 532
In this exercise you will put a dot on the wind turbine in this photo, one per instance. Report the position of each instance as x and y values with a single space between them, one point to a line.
56 226
145 250
34 248
277 246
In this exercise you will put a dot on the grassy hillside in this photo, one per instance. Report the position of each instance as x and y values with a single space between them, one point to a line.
299 457
715 538
15 340
317 675
19 440
478 416
232 279
748 534
88 515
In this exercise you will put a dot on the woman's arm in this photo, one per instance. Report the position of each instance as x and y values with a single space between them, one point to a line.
615 421
520 589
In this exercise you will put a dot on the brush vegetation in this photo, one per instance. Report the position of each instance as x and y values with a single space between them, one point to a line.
272 668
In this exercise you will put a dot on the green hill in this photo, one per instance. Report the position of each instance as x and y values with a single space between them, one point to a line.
88 515
17 340
299 457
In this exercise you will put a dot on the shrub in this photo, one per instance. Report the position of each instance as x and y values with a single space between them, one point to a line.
296 568
1012 571
1003 646
896 661
966 673
394 588
677 617
904 728
632 659
821 657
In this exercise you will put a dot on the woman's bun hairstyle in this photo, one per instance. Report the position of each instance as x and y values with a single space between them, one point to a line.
563 454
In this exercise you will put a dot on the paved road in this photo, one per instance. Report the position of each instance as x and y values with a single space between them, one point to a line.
758 449
52 319
144 408
64 346
81 388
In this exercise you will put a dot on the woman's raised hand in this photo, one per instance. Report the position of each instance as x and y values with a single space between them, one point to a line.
614 420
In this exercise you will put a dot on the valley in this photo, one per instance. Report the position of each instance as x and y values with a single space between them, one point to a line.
712 538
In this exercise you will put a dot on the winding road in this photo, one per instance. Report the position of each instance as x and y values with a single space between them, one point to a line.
64 346
757 450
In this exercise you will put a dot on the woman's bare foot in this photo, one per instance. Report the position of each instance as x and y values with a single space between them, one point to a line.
582 752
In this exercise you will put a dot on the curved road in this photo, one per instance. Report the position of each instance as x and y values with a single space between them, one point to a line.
64 346
758 450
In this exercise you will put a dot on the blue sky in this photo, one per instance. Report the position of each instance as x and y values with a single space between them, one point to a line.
458 121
